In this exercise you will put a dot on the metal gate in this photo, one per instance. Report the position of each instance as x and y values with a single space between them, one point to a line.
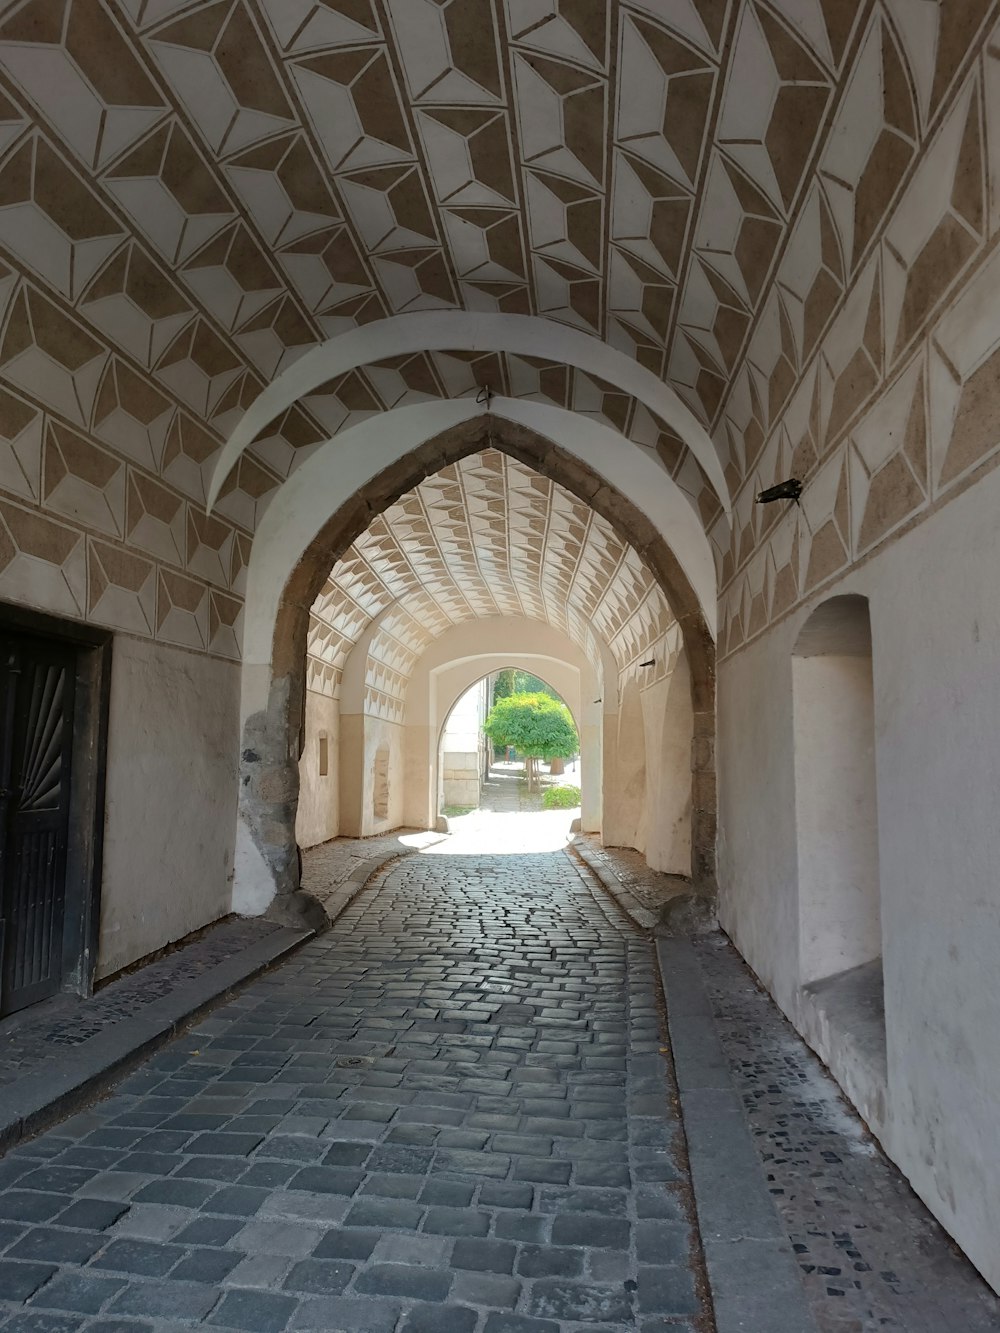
37 679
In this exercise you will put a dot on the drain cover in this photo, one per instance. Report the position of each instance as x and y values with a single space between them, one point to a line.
352 1061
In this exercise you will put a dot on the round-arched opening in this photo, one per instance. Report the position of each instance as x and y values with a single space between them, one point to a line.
489 775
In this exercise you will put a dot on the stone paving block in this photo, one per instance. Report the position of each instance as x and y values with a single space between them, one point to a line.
556 1298
344 1314
393 1187
92 1214
219 1169
327 1180
347 1244
208 1231
18 1281
81 1292
407 1248
27 1206
326 1208
489 1289
206 1265
496 1195
174 1301
271 1237
215 1145
347 1154
510 1323
253 1311
549 1261
662 1242
543 1172
182 1193
593 1230
264 1271
236 1201
52 1245
404 1281
667 1289
384 1213
439 1319
320 1277
456 1222
448 1193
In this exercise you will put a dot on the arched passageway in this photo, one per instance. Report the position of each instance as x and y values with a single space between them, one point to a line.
584 560
723 274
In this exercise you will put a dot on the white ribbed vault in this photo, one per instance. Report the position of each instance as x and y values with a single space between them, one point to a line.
485 537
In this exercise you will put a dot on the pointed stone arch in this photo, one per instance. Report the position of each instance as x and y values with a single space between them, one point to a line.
267 857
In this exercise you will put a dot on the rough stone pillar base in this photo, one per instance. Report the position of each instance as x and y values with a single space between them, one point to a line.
299 910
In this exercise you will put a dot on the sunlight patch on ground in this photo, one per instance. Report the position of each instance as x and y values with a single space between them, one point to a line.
486 832
422 839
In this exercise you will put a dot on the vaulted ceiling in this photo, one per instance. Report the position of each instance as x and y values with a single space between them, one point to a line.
216 186
764 204
484 537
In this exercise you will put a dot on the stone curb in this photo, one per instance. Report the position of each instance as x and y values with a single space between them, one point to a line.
640 916
753 1274
77 1074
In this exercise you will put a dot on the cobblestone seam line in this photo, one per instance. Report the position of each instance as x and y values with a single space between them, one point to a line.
753 1273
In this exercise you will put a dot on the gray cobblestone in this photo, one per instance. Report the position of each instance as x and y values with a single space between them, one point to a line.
397 1131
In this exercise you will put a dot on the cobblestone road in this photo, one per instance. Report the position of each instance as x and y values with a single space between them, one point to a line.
451 1114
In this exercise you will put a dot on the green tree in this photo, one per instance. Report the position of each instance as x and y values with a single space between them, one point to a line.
538 726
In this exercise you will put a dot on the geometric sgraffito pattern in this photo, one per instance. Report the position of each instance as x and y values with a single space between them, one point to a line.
770 204
486 536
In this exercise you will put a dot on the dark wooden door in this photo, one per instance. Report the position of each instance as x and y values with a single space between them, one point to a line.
37 678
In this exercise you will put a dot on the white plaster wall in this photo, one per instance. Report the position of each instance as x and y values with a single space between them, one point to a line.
668 721
935 618
171 798
318 817
463 728
461 749
361 737
839 911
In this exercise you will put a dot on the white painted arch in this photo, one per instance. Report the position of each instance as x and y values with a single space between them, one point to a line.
468 652
461 330
332 475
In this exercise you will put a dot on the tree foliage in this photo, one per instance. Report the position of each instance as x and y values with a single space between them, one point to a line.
536 725
511 680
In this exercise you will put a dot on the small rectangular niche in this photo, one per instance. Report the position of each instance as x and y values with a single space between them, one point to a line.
324 755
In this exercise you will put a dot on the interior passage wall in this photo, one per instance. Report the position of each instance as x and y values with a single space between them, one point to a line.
372 771
171 798
318 817
935 621
461 756
647 781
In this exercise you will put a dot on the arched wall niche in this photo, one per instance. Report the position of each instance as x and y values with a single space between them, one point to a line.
267 868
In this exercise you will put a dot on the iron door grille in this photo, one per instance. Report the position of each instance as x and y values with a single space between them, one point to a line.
35 758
